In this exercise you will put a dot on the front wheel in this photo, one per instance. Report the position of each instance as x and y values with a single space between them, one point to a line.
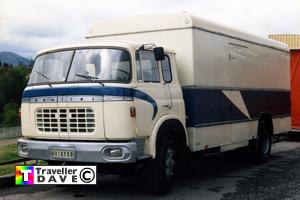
163 169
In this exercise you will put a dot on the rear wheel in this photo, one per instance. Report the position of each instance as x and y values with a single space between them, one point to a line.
162 174
261 147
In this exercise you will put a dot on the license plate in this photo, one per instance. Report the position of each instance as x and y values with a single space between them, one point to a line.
62 153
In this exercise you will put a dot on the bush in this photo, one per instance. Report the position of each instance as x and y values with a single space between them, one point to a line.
10 115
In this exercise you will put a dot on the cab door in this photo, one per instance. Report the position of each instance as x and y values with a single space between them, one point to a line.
152 95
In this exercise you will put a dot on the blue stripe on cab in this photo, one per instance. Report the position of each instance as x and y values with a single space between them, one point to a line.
113 91
101 91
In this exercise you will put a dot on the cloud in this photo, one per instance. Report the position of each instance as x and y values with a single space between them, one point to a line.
31 25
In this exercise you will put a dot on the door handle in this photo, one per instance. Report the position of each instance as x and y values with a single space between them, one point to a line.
166 106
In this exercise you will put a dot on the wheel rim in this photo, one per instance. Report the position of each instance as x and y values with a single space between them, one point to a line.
169 162
265 144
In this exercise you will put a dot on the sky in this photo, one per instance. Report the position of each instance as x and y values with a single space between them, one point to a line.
27 26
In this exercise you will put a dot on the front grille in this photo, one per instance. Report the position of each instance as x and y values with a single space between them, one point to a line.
72 120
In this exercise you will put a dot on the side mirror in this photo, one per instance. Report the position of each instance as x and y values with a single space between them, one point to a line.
91 70
159 53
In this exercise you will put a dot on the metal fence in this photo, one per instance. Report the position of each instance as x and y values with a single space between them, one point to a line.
10 132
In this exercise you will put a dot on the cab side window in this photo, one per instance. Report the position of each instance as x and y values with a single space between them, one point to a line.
147 68
166 69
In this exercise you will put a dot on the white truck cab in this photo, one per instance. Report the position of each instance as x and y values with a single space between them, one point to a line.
152 87
94 91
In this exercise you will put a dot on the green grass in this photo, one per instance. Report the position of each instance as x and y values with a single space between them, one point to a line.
7 169
8 152
10 169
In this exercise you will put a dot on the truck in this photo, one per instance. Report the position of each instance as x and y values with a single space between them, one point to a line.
149 90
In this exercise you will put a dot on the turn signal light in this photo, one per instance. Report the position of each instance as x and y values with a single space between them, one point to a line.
132 112
116 153
23 149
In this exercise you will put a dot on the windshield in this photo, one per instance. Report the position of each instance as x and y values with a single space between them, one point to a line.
100 64
52 67
103 65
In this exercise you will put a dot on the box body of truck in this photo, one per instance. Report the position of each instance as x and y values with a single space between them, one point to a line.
120 98
229 78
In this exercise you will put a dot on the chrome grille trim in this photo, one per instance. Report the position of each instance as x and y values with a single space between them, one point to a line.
76 98
55 99
87 98
71 120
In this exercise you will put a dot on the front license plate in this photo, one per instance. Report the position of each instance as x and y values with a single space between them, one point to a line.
62 153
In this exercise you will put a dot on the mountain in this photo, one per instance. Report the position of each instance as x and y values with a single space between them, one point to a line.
14 59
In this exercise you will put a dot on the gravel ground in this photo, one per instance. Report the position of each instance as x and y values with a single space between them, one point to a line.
276 181
8 141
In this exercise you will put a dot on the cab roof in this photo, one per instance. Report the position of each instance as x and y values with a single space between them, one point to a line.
100 44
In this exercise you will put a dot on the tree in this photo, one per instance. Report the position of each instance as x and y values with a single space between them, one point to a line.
12 83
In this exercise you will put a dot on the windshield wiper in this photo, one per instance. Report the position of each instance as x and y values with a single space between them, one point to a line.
90 78
44 76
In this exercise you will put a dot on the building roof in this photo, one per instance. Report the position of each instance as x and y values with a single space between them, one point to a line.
292 40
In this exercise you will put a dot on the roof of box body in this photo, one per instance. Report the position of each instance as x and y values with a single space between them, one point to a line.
95 44
172 21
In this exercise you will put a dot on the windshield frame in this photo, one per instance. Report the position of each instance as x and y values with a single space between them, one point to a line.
71 62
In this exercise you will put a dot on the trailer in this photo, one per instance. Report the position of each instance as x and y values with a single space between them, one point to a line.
295 89
293 42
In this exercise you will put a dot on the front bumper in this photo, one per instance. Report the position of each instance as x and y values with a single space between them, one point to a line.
85 151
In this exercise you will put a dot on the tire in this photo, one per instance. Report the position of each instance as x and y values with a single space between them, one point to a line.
162 174
261 147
